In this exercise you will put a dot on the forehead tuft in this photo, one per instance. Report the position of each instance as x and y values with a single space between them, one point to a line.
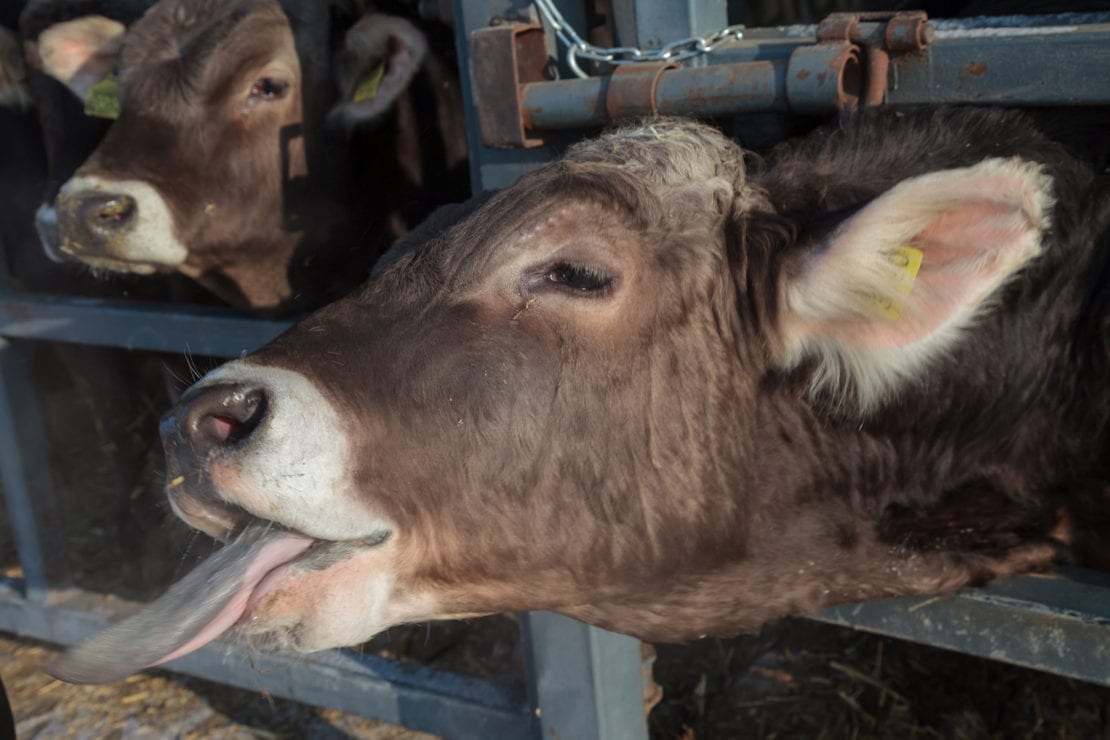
666 151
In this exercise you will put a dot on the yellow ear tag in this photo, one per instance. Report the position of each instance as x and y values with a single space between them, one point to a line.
103 100
906 262
368 88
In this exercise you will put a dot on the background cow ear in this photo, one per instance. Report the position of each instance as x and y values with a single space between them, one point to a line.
380 56
13 78
81 52
894 285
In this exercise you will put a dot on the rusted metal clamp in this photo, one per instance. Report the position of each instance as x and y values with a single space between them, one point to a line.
824 77
901 31
875 36
502 58
630 90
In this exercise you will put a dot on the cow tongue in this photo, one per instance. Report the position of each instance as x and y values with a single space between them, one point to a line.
193 612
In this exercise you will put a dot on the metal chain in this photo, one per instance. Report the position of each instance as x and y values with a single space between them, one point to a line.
676 51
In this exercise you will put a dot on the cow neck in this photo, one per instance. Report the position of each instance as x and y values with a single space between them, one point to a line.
248 285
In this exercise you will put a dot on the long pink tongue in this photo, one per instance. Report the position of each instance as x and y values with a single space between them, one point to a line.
193 612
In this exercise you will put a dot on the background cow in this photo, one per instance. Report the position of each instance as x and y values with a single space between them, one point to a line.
69 134
256 144
100 405
667 393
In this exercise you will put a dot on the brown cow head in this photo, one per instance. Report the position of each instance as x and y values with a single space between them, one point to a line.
222 157
596 396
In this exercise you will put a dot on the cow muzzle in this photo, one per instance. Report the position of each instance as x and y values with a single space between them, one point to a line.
122 226
257 441
208 429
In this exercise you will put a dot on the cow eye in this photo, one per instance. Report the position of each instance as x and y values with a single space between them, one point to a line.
578 279
268 88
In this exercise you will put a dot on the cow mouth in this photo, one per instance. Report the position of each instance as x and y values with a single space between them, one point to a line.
214 597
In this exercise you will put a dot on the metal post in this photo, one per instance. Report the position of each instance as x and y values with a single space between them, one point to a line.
28 491
651 25
490 169
584 682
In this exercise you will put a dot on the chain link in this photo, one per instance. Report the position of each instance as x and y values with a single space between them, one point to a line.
676 51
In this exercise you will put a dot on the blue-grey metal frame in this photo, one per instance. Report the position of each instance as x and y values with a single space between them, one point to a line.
980 61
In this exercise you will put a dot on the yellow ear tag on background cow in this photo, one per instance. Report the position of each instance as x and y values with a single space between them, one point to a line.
906 262
368 88
103 100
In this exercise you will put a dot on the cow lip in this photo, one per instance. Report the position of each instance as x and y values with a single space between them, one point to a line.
323 552
225 521
320 555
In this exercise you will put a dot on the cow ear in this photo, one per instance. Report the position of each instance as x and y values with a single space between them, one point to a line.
894 286
13 88
82 52
380 56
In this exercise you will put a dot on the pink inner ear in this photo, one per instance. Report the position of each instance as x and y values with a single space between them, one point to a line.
976 231
966 251
80 52
71 55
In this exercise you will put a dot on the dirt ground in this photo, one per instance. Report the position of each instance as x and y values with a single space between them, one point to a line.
797 679
162 705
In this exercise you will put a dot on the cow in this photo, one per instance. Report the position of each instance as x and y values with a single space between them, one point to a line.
109 422
255 144
669 389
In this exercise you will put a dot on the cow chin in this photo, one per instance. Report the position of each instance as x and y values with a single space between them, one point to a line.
107 264
341 595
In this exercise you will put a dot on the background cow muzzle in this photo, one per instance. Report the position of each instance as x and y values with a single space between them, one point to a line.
95 221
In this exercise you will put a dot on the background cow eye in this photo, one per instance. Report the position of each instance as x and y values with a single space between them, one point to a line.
269 89
579 279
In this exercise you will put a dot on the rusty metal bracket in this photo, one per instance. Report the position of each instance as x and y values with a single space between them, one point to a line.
630 91
877 36
502 58
901 31
824 77
848 67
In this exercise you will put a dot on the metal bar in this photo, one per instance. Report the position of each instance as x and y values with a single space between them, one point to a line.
135 326
586 682
1001 67
28 491
963 64
1058 623
406 694
707 91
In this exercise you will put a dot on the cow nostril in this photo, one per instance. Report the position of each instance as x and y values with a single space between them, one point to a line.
105 214
223 416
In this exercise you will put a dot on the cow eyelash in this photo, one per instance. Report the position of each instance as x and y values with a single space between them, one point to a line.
578 279
268 88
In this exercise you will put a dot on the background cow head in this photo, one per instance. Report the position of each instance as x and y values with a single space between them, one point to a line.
231 147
